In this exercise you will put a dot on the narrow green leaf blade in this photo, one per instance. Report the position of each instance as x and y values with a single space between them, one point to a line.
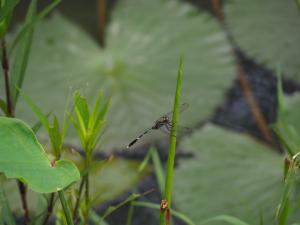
159 171
55 136
3 106
5 211
19 64
29 26
82 108
38 112
7 8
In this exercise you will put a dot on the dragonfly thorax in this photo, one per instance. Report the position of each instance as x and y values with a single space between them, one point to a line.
161 122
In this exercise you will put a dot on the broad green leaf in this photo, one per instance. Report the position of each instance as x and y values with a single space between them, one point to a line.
230 174
267 31
138 67
108 181
22 157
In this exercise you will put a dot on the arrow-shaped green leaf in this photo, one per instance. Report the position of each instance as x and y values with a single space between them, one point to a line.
23 157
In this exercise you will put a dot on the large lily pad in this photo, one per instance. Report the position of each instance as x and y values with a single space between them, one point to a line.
268 31
22 157
138 66
230 174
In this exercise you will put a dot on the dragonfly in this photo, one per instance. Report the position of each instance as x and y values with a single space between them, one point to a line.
163 123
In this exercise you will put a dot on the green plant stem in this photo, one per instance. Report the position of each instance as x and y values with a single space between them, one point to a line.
65 208
176 214
75 211
87 187
87 198
130 214
172 146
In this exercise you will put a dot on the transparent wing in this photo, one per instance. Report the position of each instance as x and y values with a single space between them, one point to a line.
182 107
180 129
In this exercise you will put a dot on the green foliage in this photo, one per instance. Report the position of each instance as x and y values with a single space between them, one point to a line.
56 134
6 10
109 179
174 213
65 207
89 124
172 146
137 65
158 168
267 31
19 64
290 140
23 42
113 178
22 157
285 130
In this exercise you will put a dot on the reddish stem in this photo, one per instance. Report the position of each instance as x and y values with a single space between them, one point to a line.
50 209
164 209
217 9
5 67
101 17
23 192
254 107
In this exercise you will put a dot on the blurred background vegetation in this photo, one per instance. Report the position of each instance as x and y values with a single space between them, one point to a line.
232 163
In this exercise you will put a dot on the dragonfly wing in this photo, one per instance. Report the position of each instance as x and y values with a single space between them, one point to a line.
180 129
182 108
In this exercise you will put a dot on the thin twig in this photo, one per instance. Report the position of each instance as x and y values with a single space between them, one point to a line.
217 9
5 67
75 211
23 192
50 209
101 17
